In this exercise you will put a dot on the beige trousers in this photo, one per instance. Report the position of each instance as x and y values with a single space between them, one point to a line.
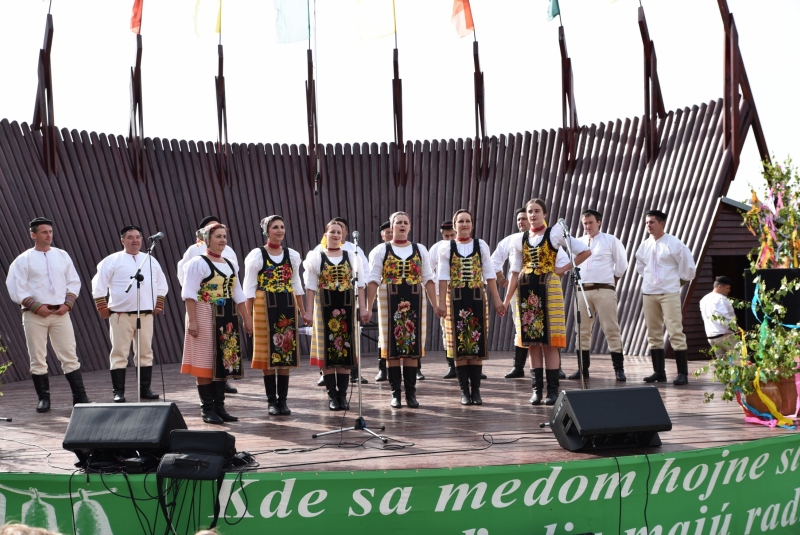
62 338
722 345
603 304
661 310
122 329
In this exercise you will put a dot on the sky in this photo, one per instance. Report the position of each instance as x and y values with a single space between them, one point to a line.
94 49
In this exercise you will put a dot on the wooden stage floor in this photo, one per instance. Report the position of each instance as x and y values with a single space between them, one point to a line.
439 434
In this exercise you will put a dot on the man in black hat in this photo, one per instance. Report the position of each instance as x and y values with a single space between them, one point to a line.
386 236
44 282
120 308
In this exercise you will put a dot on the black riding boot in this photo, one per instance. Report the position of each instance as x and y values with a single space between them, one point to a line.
552 386
618 360
395 380
537 383
219 402
420 377
520 356
272 397
330 386
75 380
144 387
342 380
451 369
577 375
682 362
42 385
118 384
475 371
354 377
660 375
410 380
462 372
381 377
283 391
206 393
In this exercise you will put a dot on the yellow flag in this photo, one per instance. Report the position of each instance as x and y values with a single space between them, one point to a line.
205 11
375 18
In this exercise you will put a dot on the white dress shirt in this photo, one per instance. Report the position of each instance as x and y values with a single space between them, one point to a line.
44 277
313 263
114 274
557 239
255 261
465 249
403 252
502 252
198 249
663 264
607 262
716 304
434 253
197 270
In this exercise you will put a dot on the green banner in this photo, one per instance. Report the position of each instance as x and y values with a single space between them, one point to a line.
739 489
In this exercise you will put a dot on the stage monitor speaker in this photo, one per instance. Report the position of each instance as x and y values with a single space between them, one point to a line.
609 418
121 430
206 442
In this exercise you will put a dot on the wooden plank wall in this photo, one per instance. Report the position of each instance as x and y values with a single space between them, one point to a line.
95 194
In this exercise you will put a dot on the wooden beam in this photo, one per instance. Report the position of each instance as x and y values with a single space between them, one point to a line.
397 106
223 148
136 126
43 116
311 119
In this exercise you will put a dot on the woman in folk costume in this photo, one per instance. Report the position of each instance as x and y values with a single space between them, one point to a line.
214 305
275 300
331 310
464 268
403 271
539 319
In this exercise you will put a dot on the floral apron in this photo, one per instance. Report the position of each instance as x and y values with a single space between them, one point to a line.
402 313
333 343
467 320
217 292
275 316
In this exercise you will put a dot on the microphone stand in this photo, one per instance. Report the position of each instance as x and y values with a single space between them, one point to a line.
575 275
138 277
360 424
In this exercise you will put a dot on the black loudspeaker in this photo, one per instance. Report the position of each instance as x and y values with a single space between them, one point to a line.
207 442
121 430
771 279
609 418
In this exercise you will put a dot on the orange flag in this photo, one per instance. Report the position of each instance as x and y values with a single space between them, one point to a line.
462 17
136 16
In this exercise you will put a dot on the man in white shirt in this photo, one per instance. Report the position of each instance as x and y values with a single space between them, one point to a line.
600 274
448 234
499 257
718 316
114 274
665 264
386 236
44 282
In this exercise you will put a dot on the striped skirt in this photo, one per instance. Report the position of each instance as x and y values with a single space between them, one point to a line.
554 323
385 333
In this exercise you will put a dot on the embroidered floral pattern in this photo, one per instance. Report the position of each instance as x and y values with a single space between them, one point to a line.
469 332
532 317
336 277
405 328
539 259
284 340
229 343
210 293
462 268
276 278
397 271
339 335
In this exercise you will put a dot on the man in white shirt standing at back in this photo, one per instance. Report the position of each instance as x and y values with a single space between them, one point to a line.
718 315
114 274
386 236
448 233
665 264
44 282
600 273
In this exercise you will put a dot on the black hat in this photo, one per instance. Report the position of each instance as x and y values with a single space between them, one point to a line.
342 220
126 228
206 220
446 225
385 225
40 221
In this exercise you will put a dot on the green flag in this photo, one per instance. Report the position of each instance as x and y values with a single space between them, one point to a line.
553 10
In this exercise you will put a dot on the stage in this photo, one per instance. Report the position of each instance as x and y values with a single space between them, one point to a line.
475 470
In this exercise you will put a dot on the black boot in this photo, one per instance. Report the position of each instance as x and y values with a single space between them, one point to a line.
618 360
354 377
475 378
537 383
682 362
451 369
206 393
42 385
330 386
219 402
395 379
342 380
420 377
118 384
283 391
381 377
321 380
577 375
520 356
410 380
144 387
271 390
462 372
230 389
75 380
552 387
660 375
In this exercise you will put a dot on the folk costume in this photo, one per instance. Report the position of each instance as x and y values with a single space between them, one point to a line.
499 257
466 267
401 271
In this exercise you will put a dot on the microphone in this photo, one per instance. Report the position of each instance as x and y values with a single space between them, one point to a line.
156 236
563 225
355 234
